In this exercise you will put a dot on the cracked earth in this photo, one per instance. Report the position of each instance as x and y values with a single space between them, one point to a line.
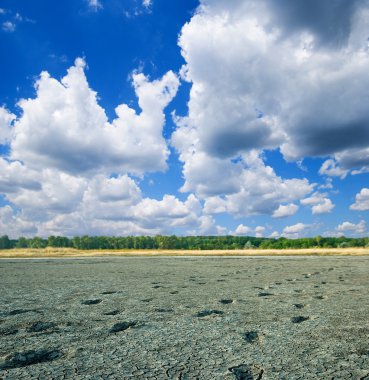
185 318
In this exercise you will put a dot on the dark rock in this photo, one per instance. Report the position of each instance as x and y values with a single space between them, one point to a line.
246 372
206 313
23 359
40 326
113 312
251 336
91 302
21 311
226 302
121 326
299 319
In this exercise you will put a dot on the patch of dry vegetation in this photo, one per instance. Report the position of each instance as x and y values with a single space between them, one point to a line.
70 252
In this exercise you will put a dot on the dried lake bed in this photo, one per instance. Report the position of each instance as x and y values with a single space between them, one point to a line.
185 318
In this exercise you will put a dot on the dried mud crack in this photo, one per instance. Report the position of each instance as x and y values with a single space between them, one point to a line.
102 318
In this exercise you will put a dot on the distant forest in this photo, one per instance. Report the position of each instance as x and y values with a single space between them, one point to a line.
181 242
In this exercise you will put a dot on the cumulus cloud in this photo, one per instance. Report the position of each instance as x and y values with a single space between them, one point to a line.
259 231
285 210
291 77
323 208
15 177
249 188
329 21
51 192
296 80
59 203
332 169
245 230
6 120
356 229
319 203
225 113
50 201
295 231
63 150
65 128
121 210
13 223
361 200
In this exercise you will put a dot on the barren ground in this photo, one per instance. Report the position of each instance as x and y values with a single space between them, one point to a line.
185 318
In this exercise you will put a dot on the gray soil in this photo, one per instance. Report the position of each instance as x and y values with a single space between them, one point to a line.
185 318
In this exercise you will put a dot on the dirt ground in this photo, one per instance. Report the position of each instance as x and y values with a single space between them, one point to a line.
183 318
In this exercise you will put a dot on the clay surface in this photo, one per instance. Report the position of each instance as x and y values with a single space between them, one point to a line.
185 318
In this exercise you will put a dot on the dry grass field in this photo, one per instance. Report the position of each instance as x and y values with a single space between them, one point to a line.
70 252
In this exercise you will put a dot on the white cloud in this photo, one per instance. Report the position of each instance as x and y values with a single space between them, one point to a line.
142 7
295 231
319 202
14 225
327 185
57 193
147 3
54 202
215 205
94 5
63 150
361 200
296 80
121 210
251 99
70 205
15 177
242 230
245 230
225 115
323 208
313 199
332 169
249 187
285 210
8 26
65 128
6 120
356 229
259 231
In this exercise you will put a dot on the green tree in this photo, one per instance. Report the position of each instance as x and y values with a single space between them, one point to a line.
5 242
21 243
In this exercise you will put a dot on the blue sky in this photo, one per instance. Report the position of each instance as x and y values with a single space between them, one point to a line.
186 117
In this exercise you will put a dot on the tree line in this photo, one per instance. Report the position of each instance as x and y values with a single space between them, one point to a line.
180 242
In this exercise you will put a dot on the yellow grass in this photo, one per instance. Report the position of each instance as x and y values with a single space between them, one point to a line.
70 252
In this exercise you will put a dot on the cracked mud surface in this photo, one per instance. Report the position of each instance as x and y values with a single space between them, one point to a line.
185 318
